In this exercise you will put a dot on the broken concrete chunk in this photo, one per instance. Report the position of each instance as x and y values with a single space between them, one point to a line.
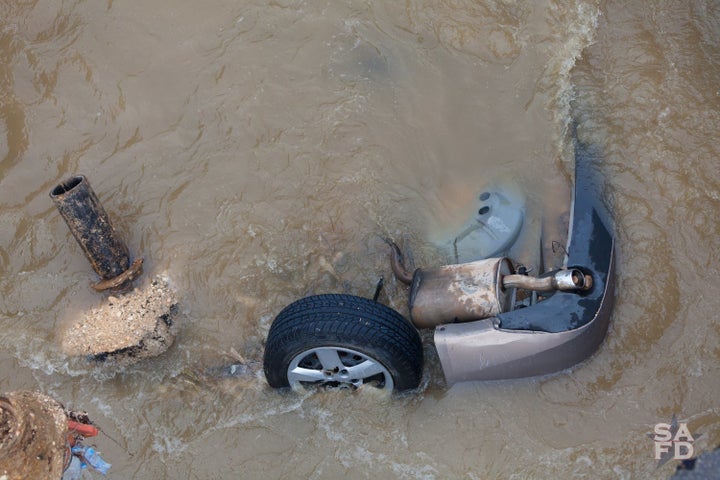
127 328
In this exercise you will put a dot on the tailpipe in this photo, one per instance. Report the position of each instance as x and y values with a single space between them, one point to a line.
90 225
564 280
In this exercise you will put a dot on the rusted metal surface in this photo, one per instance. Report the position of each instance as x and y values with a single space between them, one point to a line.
90 225
122 280
473 291
397 263
459 293
32 436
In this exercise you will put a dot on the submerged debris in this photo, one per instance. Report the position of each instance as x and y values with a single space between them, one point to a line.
127 328
87 220
32 436
39 439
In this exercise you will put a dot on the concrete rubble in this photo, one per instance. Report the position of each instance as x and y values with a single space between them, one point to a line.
126 328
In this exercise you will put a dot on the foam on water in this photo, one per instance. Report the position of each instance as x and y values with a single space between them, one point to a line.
581 22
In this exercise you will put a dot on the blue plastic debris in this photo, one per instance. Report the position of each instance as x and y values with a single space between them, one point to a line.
89 456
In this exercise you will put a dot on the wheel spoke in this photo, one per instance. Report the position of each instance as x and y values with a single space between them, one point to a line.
329 359
299 374
366 369
336 367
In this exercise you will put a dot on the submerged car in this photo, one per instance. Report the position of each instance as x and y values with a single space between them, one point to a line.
490 322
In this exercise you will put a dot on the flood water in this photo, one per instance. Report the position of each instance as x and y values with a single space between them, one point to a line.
256 152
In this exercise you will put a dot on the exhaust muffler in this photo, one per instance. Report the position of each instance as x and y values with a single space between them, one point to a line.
459 293
474 290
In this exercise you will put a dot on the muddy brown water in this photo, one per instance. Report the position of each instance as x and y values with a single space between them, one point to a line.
255 152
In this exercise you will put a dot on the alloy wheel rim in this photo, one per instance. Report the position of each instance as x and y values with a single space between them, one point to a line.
337 367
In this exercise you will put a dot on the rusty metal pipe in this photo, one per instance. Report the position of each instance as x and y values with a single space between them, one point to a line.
90 225
397 263
565 280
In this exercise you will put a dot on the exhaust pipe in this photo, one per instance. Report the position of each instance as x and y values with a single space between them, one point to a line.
564 280
90 225
474 290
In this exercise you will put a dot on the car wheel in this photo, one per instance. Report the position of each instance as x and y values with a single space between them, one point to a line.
342 341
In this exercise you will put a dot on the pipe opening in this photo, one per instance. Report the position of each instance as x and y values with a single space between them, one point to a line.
67 185
573 279
565 280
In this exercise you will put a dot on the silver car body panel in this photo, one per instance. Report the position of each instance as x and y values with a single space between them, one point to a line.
481 350
557 332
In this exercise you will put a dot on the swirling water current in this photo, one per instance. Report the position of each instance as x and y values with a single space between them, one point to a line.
257 151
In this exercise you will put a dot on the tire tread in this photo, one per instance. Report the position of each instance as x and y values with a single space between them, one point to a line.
344 321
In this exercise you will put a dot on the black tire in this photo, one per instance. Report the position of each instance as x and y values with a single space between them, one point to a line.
359 330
